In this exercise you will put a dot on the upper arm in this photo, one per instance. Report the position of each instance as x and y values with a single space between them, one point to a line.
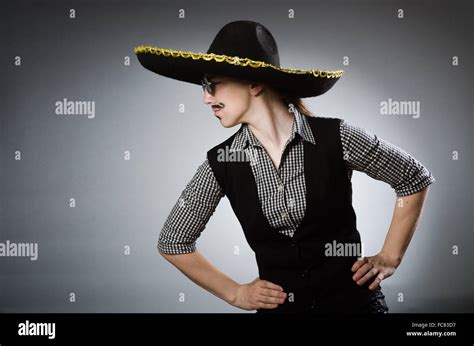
382 160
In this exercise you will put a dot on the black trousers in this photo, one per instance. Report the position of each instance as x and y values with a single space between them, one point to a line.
347 300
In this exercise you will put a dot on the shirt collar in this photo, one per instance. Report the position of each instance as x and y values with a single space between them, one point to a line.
300 126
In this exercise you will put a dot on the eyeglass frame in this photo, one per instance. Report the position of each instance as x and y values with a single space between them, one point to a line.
209 86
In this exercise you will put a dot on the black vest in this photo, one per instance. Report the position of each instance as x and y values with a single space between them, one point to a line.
299 263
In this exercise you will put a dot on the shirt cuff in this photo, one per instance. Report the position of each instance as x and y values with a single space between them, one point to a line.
411 189
176 248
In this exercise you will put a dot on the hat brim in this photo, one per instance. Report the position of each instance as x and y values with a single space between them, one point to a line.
189 67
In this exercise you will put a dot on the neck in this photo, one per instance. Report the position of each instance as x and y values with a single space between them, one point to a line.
271 122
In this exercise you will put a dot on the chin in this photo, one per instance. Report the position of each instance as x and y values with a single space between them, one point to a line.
228 125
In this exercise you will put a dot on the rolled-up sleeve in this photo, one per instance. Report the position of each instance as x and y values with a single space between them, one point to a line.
365 152
191 212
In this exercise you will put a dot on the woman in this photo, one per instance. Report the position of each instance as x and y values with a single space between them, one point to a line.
287 176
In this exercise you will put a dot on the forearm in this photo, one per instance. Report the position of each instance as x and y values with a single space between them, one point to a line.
405 219
198 269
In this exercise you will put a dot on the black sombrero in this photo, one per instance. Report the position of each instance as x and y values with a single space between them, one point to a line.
241 49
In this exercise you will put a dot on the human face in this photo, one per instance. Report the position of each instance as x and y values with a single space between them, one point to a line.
229 98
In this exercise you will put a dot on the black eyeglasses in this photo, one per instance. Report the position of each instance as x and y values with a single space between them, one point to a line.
210 87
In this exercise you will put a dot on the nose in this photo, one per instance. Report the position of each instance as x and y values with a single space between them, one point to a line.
208 98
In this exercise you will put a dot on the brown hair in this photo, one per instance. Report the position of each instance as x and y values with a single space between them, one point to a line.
296 102
289 100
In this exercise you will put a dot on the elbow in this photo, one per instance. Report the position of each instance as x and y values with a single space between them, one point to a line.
424 191
167 256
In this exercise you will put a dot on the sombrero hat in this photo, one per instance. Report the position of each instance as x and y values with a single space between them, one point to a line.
241 49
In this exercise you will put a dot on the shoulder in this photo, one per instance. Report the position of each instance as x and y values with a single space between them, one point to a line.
325 126
323 121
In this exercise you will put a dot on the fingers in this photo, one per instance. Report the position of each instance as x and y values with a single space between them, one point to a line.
370 273
270 295
359 263
375 267
271 300
268 284
267 306
267 295
376 282
362 271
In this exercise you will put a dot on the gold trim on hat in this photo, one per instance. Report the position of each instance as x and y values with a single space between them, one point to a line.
235 60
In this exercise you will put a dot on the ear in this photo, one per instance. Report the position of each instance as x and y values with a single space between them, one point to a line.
256 88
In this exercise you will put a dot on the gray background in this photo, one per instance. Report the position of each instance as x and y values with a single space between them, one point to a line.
123 202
